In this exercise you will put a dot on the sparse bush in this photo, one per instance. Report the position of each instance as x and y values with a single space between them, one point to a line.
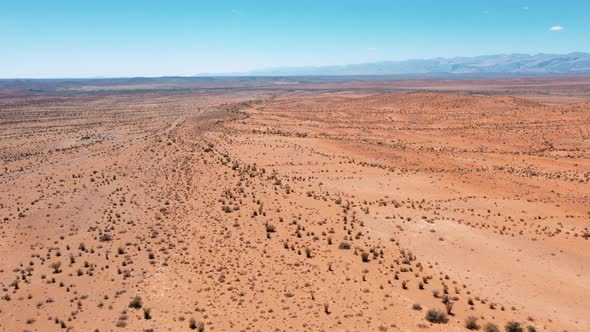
15 284
365 256
417 306
56 266
436 316
449 307
344 246
471 323
147 313
193 325
491 327
514 326
105 237
135 303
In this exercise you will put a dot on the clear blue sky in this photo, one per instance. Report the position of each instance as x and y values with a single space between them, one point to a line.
86 38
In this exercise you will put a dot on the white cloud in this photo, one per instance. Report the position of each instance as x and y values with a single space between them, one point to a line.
556 28
371 49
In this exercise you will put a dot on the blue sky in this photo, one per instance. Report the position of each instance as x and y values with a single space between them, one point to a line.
87 38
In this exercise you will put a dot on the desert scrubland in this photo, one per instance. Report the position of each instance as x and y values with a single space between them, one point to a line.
334 206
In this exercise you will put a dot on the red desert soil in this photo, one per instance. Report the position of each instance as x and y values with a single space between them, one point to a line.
286 211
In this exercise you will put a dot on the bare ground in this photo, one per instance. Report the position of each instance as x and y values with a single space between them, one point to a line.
281 210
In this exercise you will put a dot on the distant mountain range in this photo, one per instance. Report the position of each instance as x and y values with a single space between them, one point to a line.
509 64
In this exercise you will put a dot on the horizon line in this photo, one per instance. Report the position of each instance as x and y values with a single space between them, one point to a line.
252 72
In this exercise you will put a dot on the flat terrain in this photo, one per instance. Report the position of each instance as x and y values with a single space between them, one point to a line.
295 206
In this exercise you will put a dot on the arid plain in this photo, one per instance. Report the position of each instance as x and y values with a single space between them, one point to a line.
296 206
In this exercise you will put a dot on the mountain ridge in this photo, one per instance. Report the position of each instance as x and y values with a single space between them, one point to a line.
541 63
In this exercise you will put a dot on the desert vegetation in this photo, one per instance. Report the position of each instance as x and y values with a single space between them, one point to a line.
329 207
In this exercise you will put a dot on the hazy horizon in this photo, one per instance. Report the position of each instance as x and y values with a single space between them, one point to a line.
69 39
